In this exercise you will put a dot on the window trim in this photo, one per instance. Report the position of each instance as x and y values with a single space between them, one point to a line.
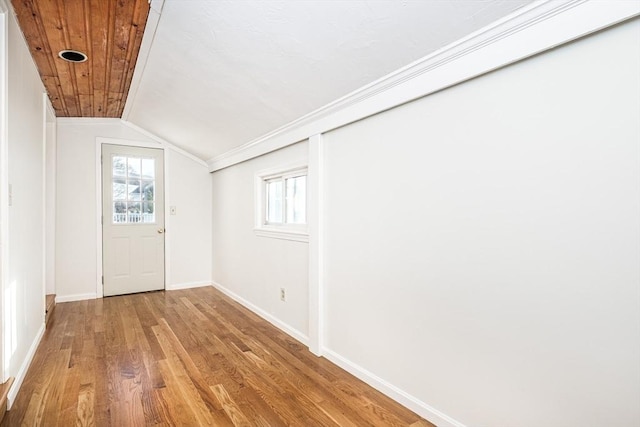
294 232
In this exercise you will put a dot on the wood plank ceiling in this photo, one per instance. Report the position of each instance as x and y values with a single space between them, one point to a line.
109 32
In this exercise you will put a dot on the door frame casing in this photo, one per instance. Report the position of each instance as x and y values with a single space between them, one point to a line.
127 143
4 183
49 211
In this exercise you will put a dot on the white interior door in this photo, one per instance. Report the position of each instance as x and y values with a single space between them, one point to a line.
132 219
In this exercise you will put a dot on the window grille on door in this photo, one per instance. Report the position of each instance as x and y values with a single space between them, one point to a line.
133 190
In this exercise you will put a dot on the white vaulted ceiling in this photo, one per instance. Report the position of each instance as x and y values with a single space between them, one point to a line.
222 73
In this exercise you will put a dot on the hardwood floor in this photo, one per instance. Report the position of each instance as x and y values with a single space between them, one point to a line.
186 358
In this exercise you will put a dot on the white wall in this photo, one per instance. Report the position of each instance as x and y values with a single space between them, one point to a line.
483 243
76 218
251 268
189 231
23 309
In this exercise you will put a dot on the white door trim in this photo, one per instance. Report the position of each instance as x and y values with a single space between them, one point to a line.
316 244
131 143
48 116
4 188
49 193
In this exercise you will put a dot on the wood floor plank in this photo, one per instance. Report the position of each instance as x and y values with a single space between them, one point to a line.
70 396
191 357
103 391
43 402
230 407
190 368
84 415
176 370
150 404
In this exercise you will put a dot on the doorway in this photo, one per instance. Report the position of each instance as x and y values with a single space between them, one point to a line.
132 219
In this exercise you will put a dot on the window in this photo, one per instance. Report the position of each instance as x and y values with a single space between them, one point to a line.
286 200
282 204
133 190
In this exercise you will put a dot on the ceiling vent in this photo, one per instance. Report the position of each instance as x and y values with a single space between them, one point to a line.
72 55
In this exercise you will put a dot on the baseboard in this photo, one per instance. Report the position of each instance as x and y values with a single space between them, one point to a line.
22 372
4 392
76 297
427 412
187 285
81 297
294 333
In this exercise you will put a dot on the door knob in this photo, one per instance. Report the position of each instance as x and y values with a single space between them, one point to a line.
161 230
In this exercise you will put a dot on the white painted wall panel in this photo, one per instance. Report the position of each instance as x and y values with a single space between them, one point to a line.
252 267
188 235
189 230
24 289
483 243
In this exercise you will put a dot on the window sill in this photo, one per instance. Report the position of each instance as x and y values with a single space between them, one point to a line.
276 233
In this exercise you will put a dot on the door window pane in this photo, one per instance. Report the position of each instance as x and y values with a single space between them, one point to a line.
119 212
134 167
119 166
119 189
134 189
148 169
147 190
148 212
134 211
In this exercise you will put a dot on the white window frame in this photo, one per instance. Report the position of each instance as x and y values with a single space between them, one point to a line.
295 232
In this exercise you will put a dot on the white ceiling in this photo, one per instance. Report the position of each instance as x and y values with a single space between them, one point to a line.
222 73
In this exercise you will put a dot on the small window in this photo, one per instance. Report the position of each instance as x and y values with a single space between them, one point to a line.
282 204
133 195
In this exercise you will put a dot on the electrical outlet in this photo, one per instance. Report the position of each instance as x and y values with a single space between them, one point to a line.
172 210
283 295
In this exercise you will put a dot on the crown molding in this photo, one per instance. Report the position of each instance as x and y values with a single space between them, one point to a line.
528 31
